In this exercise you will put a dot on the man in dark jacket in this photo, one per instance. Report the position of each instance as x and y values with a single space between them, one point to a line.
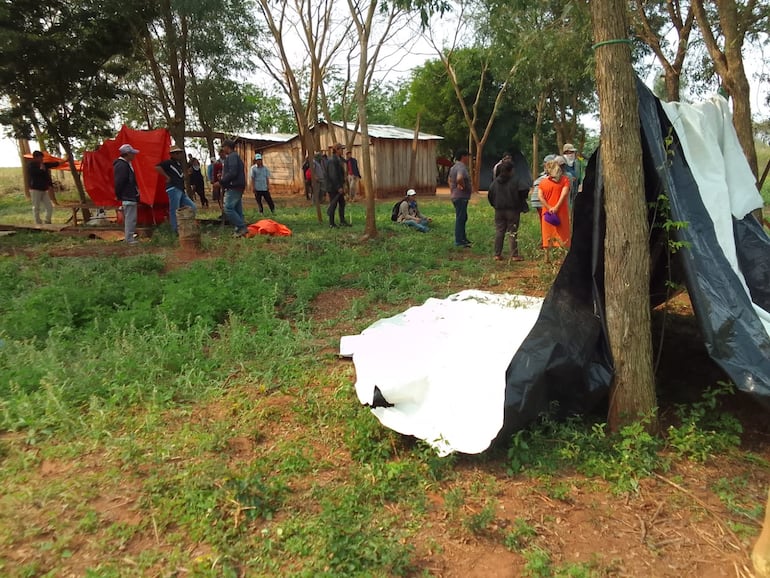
233 182
39 184
335 180
126 190
509 203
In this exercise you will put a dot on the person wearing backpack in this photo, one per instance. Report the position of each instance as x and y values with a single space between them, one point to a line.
409 214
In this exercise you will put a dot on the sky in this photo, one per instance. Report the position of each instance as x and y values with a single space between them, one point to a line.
410 51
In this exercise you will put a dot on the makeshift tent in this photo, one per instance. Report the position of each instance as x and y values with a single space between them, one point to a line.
692 156
98 176
57 163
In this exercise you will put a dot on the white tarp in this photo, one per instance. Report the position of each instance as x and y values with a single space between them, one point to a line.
442 366
718 166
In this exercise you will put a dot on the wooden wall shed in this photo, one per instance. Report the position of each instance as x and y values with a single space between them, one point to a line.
390 151
281 153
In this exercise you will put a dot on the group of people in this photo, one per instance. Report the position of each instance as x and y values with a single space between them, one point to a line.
552 194
330 174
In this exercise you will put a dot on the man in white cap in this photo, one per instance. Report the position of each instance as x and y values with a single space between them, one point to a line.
409 214
260 184
126 190
574 169
173 172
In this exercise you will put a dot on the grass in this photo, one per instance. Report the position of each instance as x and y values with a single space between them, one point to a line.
158 417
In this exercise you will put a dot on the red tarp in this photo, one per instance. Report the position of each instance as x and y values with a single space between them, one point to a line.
98 177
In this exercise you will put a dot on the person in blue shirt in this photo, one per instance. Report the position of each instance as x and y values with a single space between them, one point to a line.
260 184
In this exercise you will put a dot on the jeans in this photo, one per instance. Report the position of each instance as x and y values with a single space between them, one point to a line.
461 217
234 209
39 197
176 199
421 225
507 221
130 209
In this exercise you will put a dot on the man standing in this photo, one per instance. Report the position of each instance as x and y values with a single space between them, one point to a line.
574 169
260 184
126 190
40 184
216 176
335 180
173 172
460 193
354 176
233 183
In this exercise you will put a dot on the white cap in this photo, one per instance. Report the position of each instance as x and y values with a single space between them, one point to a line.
411 192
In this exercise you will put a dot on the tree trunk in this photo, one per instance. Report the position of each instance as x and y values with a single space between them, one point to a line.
24 150
413 153
632 394
728 64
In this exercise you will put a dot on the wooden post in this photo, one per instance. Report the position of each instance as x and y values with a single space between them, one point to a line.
760 555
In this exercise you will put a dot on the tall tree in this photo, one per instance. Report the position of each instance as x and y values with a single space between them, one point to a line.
652 21
191 40
555 72
318 29
627 278
725 26
58 67
472 95
371 36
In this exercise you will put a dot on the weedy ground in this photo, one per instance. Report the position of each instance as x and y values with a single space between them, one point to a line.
174 413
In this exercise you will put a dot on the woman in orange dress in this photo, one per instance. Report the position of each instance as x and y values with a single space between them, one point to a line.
554 196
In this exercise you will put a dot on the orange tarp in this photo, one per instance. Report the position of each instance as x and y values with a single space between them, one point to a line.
57 163
268 227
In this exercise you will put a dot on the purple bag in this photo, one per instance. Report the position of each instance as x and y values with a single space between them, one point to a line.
552 218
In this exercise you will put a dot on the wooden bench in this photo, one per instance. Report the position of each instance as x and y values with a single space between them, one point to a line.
79 208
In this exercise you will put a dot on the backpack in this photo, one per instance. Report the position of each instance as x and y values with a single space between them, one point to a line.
396 209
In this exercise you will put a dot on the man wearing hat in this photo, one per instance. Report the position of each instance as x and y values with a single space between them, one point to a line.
126 190
260 184
574 169
335 181
409 214
173 172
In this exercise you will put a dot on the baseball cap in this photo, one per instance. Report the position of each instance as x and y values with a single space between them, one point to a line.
174 149
257 157
568 148
126 149
411 192
549 158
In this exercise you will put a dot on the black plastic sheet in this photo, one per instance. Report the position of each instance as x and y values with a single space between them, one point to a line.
566 357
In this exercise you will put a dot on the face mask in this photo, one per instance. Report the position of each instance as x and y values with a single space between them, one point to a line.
570 158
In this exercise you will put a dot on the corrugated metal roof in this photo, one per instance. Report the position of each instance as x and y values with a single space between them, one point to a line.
394 132
268 136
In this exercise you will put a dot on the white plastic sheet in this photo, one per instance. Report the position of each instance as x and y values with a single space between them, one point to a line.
442 366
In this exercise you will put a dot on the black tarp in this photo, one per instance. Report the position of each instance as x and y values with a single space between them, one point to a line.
566 357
